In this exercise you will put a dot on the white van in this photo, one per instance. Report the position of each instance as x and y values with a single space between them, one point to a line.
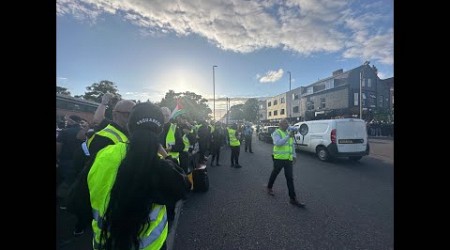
333 138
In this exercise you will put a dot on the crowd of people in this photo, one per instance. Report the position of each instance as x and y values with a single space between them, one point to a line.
113 169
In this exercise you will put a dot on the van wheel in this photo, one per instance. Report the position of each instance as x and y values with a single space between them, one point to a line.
355 158
322 153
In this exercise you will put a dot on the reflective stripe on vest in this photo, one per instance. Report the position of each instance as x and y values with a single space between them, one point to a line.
85 148
151 239
186 143
232 136
110 132
283 152
170 140
101 179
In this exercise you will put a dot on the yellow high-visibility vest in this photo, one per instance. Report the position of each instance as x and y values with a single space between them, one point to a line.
170 140
110 132
283 152
232 137
101 179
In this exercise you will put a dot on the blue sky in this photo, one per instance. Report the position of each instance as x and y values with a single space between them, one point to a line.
149 47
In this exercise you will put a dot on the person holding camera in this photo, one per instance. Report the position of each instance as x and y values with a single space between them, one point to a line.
283 158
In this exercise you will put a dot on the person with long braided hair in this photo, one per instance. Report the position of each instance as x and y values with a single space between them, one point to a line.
129 186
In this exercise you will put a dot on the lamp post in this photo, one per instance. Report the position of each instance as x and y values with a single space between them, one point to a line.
290 101
214 92
228 108
289 72
360 95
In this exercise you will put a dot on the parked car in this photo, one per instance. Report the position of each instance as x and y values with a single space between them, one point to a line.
333 138
265 133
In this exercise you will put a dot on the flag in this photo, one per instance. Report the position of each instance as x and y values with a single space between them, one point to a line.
178 110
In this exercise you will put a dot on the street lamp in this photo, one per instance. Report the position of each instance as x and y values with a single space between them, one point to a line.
290 101
360 95
228 109
289 80
214 92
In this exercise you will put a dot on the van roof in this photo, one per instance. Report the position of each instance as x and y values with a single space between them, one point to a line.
329 120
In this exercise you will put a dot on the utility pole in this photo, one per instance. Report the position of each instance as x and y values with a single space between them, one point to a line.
228 109
214 92
360 95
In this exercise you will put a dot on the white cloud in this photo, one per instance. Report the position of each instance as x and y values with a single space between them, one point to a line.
272 76
375 48
302 26
382 75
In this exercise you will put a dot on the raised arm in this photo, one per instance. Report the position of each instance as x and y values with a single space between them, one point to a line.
100 112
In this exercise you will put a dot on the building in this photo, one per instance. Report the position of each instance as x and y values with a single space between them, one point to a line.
389 82
336 96
68 105
276 108
262 111
293 105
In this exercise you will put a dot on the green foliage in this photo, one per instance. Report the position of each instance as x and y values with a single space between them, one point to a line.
195 105
62 91
237 112
250 110
97 90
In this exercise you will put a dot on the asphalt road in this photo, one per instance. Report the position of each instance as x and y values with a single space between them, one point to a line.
349 205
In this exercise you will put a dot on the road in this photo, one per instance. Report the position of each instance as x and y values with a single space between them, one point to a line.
349 205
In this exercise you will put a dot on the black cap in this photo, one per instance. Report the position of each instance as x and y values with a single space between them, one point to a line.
146 115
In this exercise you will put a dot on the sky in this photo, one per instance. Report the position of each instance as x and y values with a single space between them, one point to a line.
148 47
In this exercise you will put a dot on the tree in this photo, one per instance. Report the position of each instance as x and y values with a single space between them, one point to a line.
236 112
62 91
97 90
195 105
250 110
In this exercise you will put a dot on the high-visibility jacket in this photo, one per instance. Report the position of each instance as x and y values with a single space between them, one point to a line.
170 140
232 137
101 179
186 143
196 127
283 152
110 132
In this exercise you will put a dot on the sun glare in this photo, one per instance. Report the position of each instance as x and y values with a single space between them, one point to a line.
184 79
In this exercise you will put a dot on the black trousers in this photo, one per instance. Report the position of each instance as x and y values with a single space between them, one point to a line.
277 166
235 155
215 150
248 143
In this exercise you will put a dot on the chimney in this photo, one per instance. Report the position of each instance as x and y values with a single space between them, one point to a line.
338 72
